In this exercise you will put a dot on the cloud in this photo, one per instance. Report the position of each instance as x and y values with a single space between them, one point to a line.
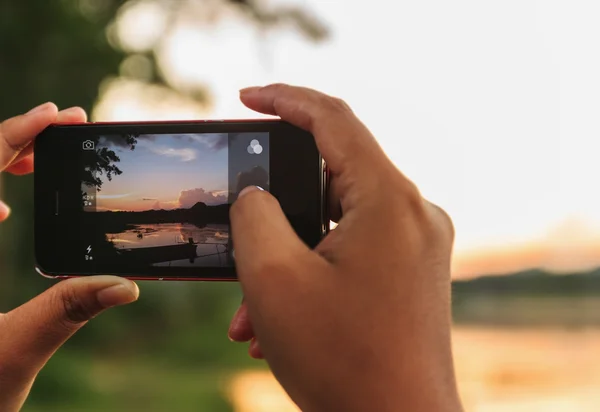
184 155
214 141
188 198
119 196
220 192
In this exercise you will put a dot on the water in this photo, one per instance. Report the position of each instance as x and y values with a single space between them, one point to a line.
211 248
529 369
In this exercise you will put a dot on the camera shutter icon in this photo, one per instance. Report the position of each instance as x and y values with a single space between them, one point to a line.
88 145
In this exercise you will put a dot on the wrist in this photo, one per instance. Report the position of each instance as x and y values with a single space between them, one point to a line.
427 394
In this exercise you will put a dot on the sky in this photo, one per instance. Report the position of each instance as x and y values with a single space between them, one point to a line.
492 108
167 172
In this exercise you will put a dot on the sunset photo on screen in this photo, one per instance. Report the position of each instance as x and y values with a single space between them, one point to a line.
159 199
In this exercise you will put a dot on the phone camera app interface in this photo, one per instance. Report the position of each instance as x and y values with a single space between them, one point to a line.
164 199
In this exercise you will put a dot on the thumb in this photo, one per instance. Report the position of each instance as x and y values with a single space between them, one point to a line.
266 246
30 334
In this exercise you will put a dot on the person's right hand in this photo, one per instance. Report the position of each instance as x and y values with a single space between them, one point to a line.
362 323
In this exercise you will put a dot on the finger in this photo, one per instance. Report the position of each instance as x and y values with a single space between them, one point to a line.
345 143
4 211
21 167
333 197
18 132
254 350
240 329
70 115
32 333
264 243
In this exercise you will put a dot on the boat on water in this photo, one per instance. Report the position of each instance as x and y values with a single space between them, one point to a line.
158 254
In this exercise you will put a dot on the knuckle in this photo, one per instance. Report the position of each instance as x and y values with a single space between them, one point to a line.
429 219
444 222
335 104
413 201
7 140
341 105
437 226
75 309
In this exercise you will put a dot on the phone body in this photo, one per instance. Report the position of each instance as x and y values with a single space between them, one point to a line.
151 200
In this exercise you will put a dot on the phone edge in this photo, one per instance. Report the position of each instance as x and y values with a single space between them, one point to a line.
325 216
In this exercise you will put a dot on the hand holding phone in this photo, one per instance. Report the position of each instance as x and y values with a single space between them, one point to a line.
361 323
31 333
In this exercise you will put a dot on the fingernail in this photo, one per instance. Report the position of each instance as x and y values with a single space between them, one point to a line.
71 110
249 189
254 349
118 294
253 344
229 335
248 90
4 211
234 324
40 108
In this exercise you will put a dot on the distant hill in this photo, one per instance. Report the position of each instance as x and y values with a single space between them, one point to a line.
532 282
533 298
200 214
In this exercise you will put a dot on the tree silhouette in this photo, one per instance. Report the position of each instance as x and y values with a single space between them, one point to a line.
101 162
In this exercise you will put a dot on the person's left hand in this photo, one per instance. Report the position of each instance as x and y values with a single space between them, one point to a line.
17 134
30 334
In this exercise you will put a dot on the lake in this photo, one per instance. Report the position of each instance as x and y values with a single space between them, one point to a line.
211 248
498 369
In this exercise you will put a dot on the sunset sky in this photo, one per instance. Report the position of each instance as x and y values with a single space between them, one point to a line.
167 172
490 107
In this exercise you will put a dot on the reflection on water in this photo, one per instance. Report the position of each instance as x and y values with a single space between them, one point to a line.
211 241
528 369
499 370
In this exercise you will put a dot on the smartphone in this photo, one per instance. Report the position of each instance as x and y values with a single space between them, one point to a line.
151 200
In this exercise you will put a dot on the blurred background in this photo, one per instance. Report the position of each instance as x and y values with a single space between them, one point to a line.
490 107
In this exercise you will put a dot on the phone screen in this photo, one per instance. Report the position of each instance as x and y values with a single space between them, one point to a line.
152 200
163 199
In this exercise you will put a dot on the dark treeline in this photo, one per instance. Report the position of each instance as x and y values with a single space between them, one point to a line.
200 214
531 282
529 299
